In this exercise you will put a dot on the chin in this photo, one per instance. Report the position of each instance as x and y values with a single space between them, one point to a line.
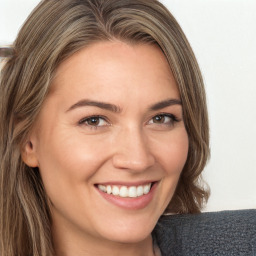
128 237
129 231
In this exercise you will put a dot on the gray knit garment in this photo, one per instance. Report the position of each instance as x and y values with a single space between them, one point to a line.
229 233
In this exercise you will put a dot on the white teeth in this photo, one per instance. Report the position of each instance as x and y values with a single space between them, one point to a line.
109 189
125 191
146 189
132 192
115 190
102 188
140 191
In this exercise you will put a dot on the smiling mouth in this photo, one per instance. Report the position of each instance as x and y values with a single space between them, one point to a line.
126 191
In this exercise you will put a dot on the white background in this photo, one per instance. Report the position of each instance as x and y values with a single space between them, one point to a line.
223 36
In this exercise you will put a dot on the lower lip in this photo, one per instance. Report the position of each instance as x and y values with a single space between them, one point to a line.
130 203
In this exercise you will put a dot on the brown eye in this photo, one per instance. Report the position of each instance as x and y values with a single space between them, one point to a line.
163 119
159 119
94 121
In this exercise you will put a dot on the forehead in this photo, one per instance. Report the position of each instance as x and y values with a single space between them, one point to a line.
110 68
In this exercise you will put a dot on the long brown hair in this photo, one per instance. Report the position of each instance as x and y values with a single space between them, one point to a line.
53 32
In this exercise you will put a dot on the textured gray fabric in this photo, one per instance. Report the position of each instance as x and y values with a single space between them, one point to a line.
229 233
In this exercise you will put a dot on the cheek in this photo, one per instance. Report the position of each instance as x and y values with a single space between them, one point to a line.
173 151
175 158
171 154
67 160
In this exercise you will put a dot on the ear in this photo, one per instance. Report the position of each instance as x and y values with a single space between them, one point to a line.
28 154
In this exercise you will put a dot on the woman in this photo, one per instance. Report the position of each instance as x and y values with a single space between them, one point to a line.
103 129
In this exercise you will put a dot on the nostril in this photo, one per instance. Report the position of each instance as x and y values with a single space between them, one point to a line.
137 161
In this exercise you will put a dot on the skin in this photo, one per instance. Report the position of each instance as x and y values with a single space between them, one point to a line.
134 144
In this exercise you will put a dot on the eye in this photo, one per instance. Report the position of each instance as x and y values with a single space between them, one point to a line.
94 121
164 119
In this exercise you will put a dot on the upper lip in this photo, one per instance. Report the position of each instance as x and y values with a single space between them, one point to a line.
128 184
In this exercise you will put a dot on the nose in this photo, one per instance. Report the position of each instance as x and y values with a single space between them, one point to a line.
132 151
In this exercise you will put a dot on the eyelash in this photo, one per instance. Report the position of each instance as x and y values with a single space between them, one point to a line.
85 121
173 118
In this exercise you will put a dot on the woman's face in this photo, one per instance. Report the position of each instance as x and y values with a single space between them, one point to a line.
110 142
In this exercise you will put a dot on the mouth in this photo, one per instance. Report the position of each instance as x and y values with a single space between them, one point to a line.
128 196
126 191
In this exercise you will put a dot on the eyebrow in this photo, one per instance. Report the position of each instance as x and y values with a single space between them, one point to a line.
164 104
117 109
103 105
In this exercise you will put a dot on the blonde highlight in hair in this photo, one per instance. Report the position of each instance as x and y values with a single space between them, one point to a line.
53 32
